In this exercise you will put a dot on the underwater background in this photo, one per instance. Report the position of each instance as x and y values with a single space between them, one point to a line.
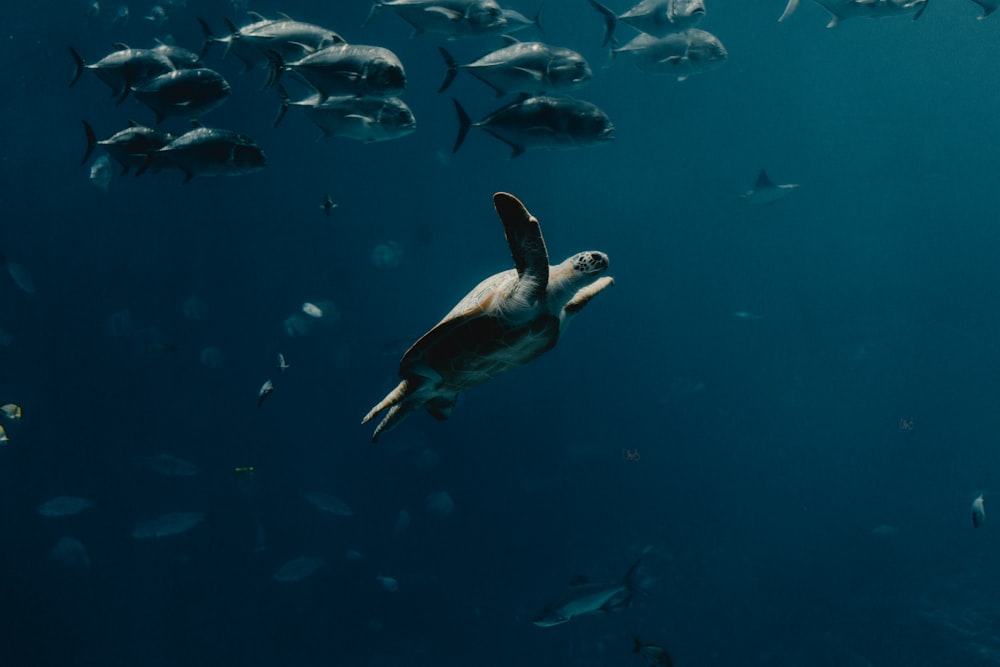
794 405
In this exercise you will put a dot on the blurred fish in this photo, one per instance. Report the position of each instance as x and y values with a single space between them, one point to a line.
453 18
166 525
206 151
841 10
265 391
367 119
353 555
297 569
4 439
584 598
129 146
328 503
100 172
516 21
989 6
978 511
18 275
212 357
244 473
658 18
680 54
387 583
157 16
288 38
357 70
765 191
282 366
654 655
64 506
12 411
70 553
124 68
312 310
165 464
534 68
744 315
328 205
387 255
402 521
194 308
189 93
440 503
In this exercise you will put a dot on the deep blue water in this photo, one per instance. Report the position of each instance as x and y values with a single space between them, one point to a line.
793 520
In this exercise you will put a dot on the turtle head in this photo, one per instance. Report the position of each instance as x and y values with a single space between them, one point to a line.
589 263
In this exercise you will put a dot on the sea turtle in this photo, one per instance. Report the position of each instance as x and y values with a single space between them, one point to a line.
506 321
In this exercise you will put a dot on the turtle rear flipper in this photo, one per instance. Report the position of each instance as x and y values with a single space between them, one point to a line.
398 404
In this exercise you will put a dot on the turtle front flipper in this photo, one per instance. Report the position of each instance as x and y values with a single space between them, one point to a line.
524 236
400 404
585 294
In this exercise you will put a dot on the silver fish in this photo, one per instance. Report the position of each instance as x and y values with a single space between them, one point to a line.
658 18
765 191
366 119
978 511
534 68
129 146
64 506
453 18
124 68
681 54
328 503
206 151
282 366
584 598
265 390
101 172
841 10
347 69
70 553
541 122
297 569
166 525
253 43
187 92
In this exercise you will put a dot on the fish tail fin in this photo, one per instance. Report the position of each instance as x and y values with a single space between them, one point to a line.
123 93
630 577
452 69
789 10
537 21
145 165
234 34
464 123
398 408
91 141
610 21
638 645
209 38
283 94
79 65
275 66
920 12
376 5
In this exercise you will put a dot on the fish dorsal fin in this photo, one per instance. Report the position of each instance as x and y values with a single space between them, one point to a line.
196 124
509 39
120 46
578 580
285 16
524 236
256 16
449 14
132 123
764 182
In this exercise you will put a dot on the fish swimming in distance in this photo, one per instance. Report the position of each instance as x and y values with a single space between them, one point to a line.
841 10
297 569
978 511
584 598
452 18
266 390
282 366
12 411
166 525
167 465
679 54
656 656
64 506
765 191
327 502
